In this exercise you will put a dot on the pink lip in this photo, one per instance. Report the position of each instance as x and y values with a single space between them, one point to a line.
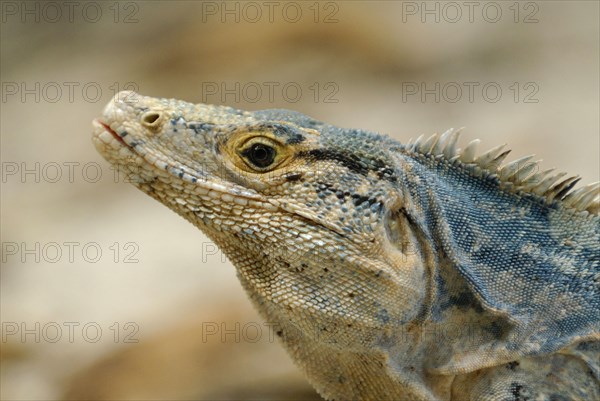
113 133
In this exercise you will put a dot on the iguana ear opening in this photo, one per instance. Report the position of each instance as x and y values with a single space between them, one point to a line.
400 226
397 226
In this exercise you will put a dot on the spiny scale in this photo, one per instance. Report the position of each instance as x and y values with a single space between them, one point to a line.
516 174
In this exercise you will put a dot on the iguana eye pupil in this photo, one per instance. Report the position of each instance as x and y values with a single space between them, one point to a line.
261 155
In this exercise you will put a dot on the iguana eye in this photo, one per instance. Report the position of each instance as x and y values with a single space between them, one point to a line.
260 155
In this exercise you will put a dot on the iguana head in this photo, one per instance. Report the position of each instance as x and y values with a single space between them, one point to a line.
300 207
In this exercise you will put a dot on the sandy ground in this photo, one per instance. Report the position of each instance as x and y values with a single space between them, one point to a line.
158 313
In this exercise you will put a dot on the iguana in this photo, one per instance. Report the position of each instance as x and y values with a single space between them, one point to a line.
414 271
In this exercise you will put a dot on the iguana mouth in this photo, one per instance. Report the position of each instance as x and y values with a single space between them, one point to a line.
112 132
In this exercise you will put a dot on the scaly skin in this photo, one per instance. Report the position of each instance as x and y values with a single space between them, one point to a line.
394 272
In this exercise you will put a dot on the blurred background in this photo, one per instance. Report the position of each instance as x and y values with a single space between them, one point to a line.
105 293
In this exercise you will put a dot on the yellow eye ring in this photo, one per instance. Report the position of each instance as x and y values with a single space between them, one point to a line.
261 153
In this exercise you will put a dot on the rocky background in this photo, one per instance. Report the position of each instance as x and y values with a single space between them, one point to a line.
105 293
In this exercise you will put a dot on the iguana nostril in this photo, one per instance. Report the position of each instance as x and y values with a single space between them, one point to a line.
151 119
